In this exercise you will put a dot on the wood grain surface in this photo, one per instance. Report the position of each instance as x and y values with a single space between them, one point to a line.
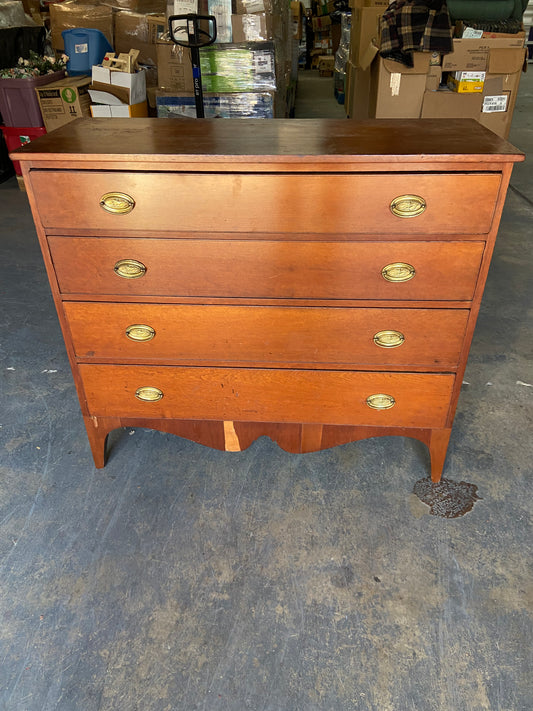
268 395
268 269
284 336
456 203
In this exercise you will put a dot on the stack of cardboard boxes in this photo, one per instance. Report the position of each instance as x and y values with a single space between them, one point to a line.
325 39
479 79
250 71
248 76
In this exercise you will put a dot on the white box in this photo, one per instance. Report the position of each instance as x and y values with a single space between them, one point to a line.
129 88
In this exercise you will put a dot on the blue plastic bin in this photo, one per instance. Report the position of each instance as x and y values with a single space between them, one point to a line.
84 47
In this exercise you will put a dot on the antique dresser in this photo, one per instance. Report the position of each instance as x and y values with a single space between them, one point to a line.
315 281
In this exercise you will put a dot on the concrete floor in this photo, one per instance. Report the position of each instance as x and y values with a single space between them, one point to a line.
180 578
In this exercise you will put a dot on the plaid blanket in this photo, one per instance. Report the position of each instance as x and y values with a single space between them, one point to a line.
408 26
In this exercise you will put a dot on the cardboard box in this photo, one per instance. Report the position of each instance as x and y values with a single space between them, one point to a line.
364 32
473 54
251 28
449 104
433 77
139 110
250 7
494 105
356 4
359 108
134 30
128 88
144 6
466 82
174 68
398 91
157 27
64 100
348 87
297 19
321 24
326 65
69 15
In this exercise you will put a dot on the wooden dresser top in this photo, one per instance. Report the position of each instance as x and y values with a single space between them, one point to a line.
277 141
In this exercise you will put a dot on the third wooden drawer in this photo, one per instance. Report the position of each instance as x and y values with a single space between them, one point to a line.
277 335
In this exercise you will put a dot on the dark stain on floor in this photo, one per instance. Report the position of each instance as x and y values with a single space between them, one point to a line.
447 498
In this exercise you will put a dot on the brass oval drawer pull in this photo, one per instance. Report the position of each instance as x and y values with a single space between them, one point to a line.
379 401
140 332
408 206
129 269
397 272
117 203
148 394
389 339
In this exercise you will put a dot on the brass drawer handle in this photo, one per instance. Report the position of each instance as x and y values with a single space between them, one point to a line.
379 401
397 272
389 339
140 332
117 203
129 269
148 394
408 206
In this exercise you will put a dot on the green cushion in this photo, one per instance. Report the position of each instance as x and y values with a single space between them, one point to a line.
483 10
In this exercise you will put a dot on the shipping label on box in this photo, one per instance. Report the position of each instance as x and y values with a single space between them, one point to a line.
493 104
64 100
251 28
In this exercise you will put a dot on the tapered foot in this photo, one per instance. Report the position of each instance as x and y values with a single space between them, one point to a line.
438 446
97 434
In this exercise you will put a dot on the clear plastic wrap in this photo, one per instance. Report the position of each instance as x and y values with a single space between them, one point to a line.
12 15
241 105
71 15
239 67
343 52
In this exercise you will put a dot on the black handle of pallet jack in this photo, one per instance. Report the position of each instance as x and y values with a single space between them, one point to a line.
194 42
193 29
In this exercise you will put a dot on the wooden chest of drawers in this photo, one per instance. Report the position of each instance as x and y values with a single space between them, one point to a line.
314 281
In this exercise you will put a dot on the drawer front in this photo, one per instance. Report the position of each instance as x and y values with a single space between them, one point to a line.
284 336
454 203
266 395
267 269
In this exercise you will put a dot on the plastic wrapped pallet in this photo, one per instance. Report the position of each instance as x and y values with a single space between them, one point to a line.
238 67
240 105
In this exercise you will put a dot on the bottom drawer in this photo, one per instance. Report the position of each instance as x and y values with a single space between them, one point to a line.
269 395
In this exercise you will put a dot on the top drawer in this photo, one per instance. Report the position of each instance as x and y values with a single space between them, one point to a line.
455 203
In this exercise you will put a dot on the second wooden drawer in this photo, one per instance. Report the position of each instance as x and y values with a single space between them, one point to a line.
267 269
